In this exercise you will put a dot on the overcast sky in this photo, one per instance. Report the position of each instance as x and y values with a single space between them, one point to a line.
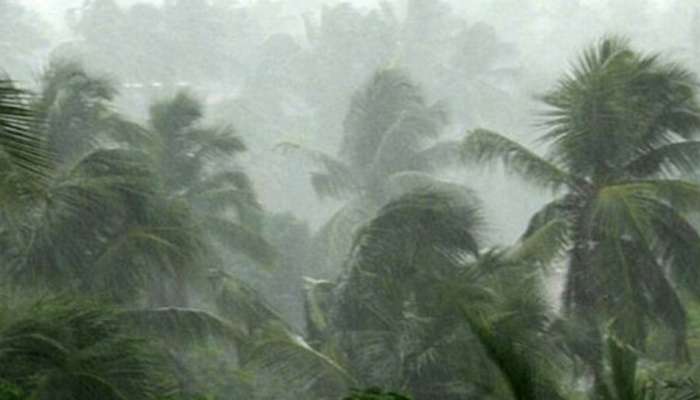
55 9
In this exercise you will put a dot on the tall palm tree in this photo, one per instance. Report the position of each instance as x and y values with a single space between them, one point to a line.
387 149
619 132
198 166
77 108
98 222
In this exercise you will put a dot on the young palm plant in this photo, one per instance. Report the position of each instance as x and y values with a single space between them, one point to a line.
620 129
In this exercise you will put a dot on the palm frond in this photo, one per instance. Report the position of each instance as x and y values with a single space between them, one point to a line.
546 244
404 182
679 248
215 143
670 159
80 350
240 238
332 242
482 146
288 357
447 219
518 366
20 129
441 155
182 325
336 179
625 209
243 305
680 194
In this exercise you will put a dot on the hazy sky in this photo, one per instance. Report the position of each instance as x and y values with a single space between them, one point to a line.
55 9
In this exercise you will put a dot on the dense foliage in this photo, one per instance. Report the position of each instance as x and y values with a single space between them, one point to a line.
140 260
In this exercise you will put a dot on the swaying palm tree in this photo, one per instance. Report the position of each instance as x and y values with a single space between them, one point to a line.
619 130
66 350
198 167
404 314
77 109
387 149
97 224
99 228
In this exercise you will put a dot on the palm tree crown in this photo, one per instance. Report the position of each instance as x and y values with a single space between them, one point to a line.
619 129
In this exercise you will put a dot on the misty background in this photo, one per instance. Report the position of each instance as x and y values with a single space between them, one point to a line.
291 199
518 50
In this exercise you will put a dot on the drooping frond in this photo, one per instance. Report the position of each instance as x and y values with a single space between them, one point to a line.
680 194
625 210
447 220
243 305
679 248
518 364
482 146
182 325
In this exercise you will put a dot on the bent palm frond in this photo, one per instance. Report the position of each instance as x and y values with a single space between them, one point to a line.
336 180
288 356
669 159
483 147
182 325
20 128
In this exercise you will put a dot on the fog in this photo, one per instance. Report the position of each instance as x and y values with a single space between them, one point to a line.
445 199
545 36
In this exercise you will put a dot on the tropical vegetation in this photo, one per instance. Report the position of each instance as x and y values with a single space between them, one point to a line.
139 258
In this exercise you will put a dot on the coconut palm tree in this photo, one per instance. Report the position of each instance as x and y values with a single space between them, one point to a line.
198 167
98 222
66 350
620 130
405 313
387 149
77 108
